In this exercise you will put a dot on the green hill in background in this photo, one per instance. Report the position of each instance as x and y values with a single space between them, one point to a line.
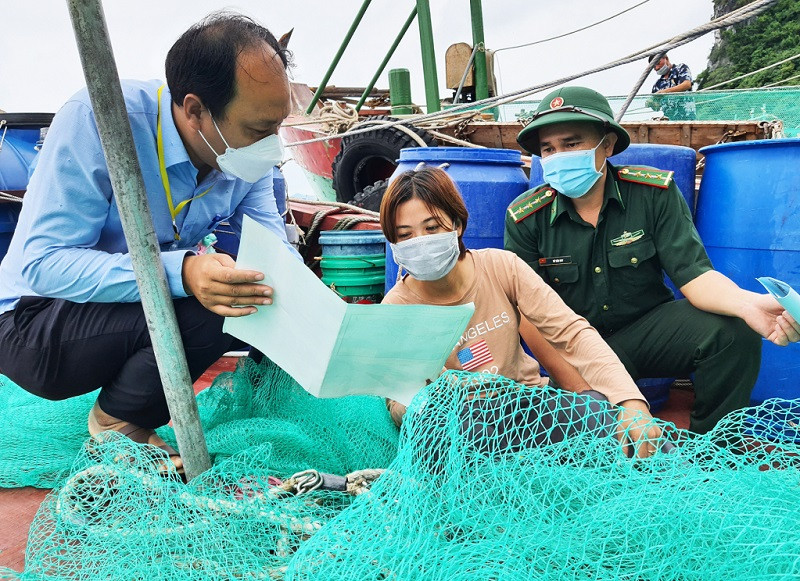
753 44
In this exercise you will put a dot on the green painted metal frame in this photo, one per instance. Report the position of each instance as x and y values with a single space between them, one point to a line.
337 57
385 61
428 56
116 136
481 76
422 12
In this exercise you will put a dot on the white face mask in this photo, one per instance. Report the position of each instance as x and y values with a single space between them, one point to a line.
428 257
663 70
249 163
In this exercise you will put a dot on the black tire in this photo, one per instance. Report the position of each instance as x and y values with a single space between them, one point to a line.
369 157
370 198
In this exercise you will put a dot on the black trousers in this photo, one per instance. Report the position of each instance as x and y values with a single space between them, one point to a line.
58 349
676 339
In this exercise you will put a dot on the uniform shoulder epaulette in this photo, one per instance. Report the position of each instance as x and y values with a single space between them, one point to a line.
531 202
648 176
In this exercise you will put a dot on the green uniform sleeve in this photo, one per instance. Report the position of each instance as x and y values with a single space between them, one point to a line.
682 254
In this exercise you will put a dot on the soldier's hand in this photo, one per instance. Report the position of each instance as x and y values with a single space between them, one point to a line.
223 289
768 318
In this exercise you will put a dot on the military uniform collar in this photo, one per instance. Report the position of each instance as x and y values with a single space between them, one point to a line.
611 192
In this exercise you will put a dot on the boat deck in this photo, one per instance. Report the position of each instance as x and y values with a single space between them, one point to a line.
18 506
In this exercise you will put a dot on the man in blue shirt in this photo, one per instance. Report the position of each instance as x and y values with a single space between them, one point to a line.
71 320
673 79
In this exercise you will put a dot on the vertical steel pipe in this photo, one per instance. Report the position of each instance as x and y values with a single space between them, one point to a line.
337 57
481 75
102 79
428 56
389 54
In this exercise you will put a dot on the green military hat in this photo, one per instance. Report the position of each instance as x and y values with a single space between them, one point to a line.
572 104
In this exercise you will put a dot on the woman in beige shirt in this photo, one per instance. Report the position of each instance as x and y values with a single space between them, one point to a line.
423 216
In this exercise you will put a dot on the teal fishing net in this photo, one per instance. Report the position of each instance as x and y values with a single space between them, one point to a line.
767 105
491 480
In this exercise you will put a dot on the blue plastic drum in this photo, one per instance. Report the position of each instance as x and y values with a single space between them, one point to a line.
748 215
488 179
21 134
351 242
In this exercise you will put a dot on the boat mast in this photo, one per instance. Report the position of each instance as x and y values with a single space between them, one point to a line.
116 137
481 83
345 42
428 56
388 56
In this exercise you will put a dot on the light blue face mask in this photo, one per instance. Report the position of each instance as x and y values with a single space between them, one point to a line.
571 172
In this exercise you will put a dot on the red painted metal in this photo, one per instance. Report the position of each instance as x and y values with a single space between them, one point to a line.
304 213
316 158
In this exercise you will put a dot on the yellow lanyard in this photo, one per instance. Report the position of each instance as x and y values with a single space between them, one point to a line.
173 210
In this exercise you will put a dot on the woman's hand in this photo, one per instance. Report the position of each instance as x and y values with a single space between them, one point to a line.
637 432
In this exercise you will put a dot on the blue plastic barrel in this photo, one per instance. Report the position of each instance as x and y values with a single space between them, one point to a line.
9 215
351 242
20 136
488 179
681 160
748 215
655 390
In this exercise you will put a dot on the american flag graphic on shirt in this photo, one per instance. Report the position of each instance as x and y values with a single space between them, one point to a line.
474 356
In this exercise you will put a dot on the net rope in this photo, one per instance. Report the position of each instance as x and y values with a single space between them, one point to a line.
764 104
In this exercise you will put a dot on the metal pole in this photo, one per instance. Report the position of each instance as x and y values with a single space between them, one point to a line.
116 136
464 76
389 54
481 77
338 56
428 56
638 86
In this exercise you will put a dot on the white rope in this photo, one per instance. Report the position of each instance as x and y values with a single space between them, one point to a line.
337 205
410 132
779 82
6 197
750 73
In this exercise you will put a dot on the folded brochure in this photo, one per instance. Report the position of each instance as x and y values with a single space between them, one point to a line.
784 294
332 348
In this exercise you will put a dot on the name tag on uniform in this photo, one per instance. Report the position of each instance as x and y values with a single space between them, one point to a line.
555 261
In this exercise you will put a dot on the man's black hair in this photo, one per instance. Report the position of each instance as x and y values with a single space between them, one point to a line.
653 57
203 60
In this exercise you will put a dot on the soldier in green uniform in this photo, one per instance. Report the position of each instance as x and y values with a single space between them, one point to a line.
602 237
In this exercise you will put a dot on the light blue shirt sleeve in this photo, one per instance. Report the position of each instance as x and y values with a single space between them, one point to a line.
64 254
69 242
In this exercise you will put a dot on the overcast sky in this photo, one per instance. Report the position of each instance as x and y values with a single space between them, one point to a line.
40 67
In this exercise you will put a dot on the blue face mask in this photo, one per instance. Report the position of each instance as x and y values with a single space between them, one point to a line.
571 172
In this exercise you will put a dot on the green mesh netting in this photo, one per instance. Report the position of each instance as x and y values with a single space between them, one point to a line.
492 480
767 105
